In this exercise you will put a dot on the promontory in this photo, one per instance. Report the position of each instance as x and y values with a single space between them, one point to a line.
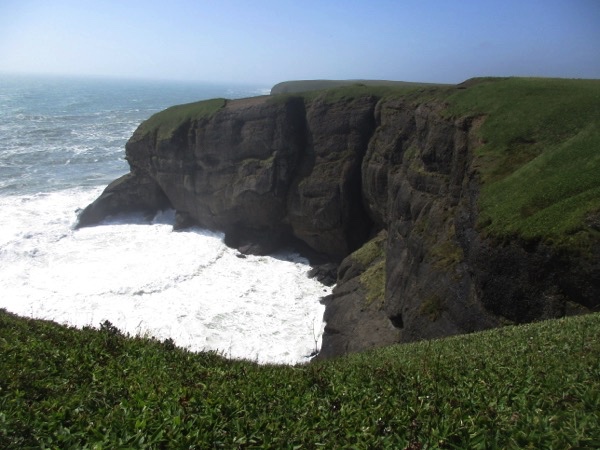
436 210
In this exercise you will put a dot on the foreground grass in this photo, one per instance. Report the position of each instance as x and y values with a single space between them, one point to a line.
534 386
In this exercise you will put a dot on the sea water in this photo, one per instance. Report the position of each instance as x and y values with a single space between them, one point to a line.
61 142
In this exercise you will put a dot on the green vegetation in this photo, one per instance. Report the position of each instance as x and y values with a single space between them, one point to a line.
301 86
171 119
354 91
371 251
540 158
433 307
371 257
533 386
373 279
445 253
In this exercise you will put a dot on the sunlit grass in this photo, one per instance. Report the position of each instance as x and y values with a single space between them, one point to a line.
166 122
534 386
540 159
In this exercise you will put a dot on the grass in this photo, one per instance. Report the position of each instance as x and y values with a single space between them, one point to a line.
533 386
540 158
371 251
355 91
372 258
373 279
443 251
432 307
302 86
166 122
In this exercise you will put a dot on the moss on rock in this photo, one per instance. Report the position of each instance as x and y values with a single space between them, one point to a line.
166 122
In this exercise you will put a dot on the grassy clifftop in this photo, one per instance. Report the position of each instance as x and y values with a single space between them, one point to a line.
166 122
540 157
534 386
298 86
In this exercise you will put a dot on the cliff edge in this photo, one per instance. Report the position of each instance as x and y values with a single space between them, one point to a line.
447 209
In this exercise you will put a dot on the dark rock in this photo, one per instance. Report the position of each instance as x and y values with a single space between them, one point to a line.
183 221
384 188
354 315
352 325
324 205
134 192
253 242
325 273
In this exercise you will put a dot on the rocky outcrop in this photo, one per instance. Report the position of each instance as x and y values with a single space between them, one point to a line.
135 191
262 171
384 187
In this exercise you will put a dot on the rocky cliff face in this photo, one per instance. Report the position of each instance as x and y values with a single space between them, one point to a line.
385 187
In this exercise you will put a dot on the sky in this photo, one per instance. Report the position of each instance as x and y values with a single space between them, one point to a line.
268 41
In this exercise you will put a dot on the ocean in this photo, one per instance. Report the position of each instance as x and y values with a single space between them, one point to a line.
62 140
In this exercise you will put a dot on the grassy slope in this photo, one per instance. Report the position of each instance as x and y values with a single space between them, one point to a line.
536 385
299 86
166 122
540 162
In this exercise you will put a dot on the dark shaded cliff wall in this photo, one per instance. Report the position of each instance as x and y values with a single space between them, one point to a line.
418 186
266 172
386 187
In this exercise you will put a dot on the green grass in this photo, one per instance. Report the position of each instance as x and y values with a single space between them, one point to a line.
355 91
533 386
166 122
371 251
302 86
432 307
373 279
371 257
540 158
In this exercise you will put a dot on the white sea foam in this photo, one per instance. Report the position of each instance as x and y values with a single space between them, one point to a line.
64 137
147 279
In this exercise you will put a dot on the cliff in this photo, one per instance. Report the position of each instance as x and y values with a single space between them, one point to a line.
447 210
302 86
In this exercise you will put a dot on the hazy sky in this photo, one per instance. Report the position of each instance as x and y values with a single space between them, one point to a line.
275 40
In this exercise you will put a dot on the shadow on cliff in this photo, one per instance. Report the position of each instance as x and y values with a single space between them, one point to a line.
380 192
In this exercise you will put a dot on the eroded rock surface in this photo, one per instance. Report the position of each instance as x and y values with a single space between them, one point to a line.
384 188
